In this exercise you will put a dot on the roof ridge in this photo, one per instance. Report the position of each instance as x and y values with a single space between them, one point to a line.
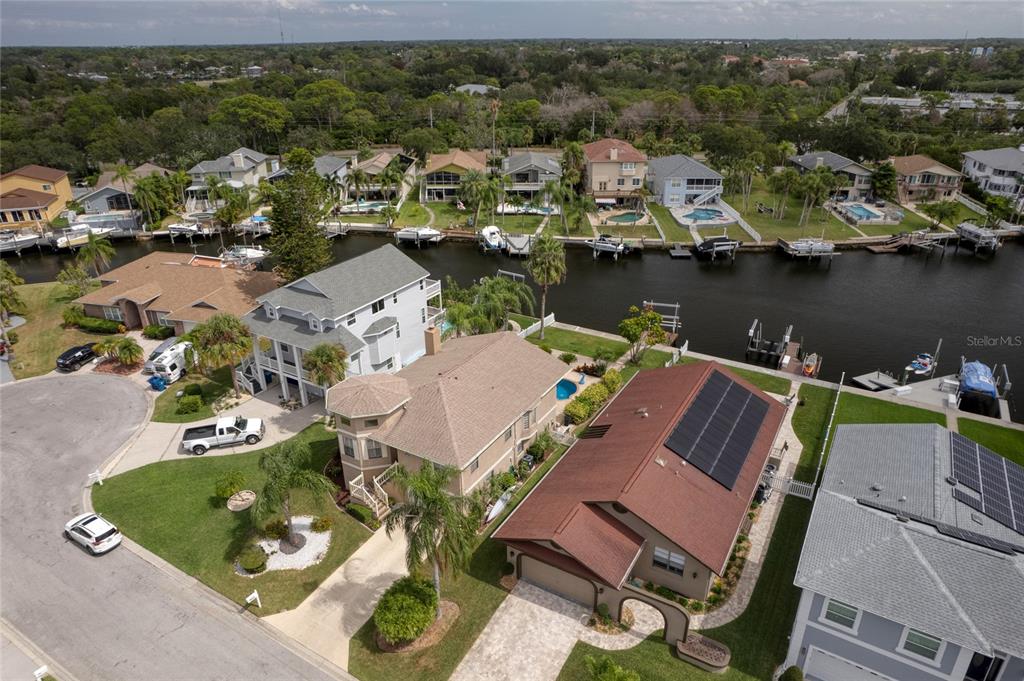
446 421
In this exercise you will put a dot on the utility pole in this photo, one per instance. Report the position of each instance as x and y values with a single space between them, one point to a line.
431 109
593 120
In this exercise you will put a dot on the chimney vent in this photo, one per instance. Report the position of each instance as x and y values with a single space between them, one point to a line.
432 340
613 154
238 159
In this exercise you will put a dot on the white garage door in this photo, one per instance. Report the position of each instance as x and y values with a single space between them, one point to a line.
556 581
828 667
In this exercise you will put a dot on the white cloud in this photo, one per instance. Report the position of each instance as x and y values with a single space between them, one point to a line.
363 8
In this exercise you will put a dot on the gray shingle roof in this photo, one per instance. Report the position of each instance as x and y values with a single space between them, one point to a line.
380 326
298 333
349 285
906 571
227 163
528 159
325 166
1005 158
679 165
833 161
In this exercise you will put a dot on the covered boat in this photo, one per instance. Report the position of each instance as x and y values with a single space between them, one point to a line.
977 378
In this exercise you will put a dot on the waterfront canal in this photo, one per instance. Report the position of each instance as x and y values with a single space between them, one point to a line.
866 312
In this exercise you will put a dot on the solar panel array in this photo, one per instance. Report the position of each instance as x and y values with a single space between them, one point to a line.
947 530
998 481
719 428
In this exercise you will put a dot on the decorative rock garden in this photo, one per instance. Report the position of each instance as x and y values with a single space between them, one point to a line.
281 555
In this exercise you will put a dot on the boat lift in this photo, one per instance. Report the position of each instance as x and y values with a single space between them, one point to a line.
670 320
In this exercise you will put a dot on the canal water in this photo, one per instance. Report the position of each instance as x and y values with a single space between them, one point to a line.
866 312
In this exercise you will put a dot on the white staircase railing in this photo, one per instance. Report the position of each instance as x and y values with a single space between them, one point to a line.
739 219
360 493
708 195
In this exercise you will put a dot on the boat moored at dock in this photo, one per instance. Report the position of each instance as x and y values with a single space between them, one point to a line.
491 239
78 235
419 236
13 242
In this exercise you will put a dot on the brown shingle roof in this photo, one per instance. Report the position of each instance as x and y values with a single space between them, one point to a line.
600 151
468 160
631 465
596 539
20 199
909 165
169 284
371 395
37 172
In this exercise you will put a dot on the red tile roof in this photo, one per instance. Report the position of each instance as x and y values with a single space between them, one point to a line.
630 465
38 173
600 151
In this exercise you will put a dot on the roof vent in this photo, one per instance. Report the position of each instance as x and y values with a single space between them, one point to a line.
902 498
902 518
660 461
875 487
977 518
642 411
951 480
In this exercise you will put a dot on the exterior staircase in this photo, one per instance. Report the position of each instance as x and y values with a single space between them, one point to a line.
708 195
372 493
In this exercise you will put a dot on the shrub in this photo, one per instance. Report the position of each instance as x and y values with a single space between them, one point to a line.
253 559
189 404
696 606
276 529
72 314
363 514
594 395
567 357
98 325
612 381
591 369
505 480
715 599
545 347
665 592
193 389
323 523
157 332
508 568
229 483
649 586
794 673
682 600
405 610
12 337
602 610
577 411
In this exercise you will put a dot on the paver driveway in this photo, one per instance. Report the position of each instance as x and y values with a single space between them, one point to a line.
116 616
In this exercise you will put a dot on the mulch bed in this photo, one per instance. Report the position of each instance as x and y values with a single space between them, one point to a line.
508 582
109 366
706 650
432 636
613 627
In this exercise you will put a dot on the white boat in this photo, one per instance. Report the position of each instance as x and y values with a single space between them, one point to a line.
419 235
491 238
606 244
184 228
244 255
499 506
13 242
77 235
811 247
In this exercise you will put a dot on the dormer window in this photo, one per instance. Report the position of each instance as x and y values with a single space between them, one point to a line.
314 324
270 310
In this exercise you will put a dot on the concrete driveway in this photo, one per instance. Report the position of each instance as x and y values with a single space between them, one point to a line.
116 616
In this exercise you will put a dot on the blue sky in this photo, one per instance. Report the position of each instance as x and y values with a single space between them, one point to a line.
177 22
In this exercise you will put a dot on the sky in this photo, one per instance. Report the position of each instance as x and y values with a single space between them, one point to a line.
185 22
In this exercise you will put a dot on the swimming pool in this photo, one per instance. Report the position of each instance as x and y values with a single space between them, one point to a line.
630 216
368 206
704 214
861 212
259 218
565 389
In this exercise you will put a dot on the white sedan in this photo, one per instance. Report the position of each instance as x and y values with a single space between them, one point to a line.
93 532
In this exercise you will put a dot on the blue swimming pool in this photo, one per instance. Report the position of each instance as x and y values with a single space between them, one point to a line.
565 389
860 212
260 218
704 214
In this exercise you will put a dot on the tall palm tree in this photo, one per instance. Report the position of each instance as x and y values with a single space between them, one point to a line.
640 196
326 364
287 468
574 165
579 208
782 184
215 188
391 180
97 251
356 181
179 182
494 105
497 296
222 340
473 189
516 201
547 268
557 192
439 527
231 212
495 193
124 175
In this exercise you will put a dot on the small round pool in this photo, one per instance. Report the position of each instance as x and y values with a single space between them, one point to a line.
630 216
565 389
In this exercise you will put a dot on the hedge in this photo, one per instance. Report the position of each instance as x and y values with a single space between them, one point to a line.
405 610
158 332
98 325
363 514
612 380
577 411
189 404
594 395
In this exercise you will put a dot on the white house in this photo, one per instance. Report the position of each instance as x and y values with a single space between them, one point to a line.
241 168
999 172
375 306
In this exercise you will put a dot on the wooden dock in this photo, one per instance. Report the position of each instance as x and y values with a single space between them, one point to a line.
519 244
922 240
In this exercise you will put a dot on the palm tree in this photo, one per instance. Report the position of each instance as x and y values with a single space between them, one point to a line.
179 182
494 105
516 201
127 351
557 192
640 196
473 191
390 214
222 340
497 296
782 183
214 189
326 364
125 175
107 347
439 526
357 181
97 251
230 213
940 211
391 179
547 267
579 208
287 468
494 191
574 163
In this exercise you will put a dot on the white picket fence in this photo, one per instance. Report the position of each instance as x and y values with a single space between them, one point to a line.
535 327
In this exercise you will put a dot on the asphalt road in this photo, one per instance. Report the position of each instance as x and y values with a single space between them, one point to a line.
116 616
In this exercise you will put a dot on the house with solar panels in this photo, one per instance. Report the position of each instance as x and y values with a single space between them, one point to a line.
656 490
913 562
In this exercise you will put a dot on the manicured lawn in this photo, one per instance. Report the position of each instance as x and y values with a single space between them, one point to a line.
627 230
478 595
555 228
654 359
674 232
963 214
766 382
447 216
577 342
361 219
412 214
214 387
912 222
788 227
170 508
42 337
1005 441
522 320
519 224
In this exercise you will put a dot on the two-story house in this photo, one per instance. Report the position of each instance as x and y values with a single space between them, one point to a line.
921 178
375 306
441 178
679 180
241 168
999 172
528 171
372 167
656 490
913 562
32 196
615 170
855 178
474 403
111 194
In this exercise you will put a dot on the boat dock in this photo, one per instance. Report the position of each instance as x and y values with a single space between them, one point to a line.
808 248
977 238
786 355
876 381
922 240
519 244
678 251
334 229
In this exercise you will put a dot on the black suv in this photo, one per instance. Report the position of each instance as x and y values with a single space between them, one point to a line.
73 359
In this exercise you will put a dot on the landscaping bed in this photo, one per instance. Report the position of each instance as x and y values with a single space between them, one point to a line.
168 409
704 652
431 637
110 366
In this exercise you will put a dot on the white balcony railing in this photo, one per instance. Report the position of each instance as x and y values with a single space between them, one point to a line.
434 315
432 288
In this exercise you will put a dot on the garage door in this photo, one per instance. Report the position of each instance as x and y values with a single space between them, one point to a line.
828 667
556 581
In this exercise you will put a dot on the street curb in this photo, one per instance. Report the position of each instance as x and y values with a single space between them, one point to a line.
34 652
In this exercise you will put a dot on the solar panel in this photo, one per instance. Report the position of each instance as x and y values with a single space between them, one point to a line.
965 461
999 481
978 539
962 496
719 428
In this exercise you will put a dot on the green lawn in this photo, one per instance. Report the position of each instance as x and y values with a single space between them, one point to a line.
522 319
1005 441
555 228
412 214
674 232
218 385
577 342
362 219
478 595
627 230
911 223
43 337
963 214
170 508
787 228
766 382
519 224
447 216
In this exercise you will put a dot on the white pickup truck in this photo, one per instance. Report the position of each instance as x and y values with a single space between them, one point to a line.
227 431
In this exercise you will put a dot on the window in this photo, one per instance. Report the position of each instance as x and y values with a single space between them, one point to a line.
344 420
621 182
314 324
398 330
636 181
113 314
394 298
373 450
668 560
350 446
984 668
526 420
423 315
508 433
351 319
675 182
842 614
47 187
371 423
473 465
628 167
422 283
602 186
921 644
378 306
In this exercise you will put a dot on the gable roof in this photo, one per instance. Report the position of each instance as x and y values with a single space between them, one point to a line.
347 286
465 396
531 159
20 199
1004 158
907 571
376 163
467 160
226 163
631 465
325 166
37 172
832 160
599 151
106 178
168 283
679 165
910 165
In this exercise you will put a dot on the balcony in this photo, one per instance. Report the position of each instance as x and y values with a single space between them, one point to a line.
434 315
432 288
